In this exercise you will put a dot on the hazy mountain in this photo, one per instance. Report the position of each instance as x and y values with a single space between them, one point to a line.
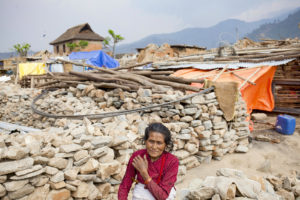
224 32
279 27
287 28
5 55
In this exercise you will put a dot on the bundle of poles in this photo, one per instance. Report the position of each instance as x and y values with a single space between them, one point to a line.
125 78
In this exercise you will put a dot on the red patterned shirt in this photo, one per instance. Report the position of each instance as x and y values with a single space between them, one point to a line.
168 178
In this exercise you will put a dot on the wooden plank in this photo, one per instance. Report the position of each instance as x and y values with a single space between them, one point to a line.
286 110
286 82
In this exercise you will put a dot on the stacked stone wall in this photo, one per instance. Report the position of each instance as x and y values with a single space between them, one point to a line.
87 158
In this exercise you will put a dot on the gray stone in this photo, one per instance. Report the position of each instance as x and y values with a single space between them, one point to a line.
39 193
27 171
258 116
29 175
14 166
204 142
15 185
185 131
186 119
86 177
82 191
190 111
242 149
202 193
196 123
2 191
58 177
16 152
101 141
59 163
220 125
210 96
3 179
99 152
205 159
230 173
287 184
41 160
207 124
204 116
108 169
67 148
71 187
51 170
81 86
64 155
183 136
199 99
80 155
204 134
27 189
89 167
181 154
71 174
82 161
39 181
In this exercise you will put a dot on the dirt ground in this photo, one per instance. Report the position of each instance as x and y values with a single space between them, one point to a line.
263 158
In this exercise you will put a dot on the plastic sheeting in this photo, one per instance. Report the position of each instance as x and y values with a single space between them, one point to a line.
56 67
257 96
31 69
96 58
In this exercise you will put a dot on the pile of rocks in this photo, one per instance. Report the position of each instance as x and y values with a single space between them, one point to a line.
233 184
87 159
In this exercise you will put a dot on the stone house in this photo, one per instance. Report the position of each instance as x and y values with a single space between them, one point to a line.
74 35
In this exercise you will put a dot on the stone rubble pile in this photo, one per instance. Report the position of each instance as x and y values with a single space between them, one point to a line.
87 158
233 184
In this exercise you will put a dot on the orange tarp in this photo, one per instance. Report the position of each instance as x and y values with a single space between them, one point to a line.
257 96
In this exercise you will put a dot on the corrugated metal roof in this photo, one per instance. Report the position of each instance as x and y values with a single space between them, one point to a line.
213 65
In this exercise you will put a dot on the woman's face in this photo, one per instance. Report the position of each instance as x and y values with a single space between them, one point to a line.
155 145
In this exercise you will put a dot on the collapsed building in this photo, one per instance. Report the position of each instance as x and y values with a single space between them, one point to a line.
82 135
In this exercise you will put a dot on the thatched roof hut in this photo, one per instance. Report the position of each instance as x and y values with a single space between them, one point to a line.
79 32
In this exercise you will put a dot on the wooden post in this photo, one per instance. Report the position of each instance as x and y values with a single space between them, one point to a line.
31 82
17 73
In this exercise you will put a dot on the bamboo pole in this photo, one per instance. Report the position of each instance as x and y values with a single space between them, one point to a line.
220 73
249 78
176 79
132 66
238 76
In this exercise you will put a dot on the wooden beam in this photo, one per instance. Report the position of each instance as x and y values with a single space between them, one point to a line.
243 78
249 78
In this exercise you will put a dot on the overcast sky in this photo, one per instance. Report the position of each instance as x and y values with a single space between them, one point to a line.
38 22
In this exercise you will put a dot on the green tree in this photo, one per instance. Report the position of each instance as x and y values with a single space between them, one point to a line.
114 38
81 45
22 49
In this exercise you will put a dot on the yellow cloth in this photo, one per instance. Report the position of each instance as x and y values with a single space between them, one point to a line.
31 69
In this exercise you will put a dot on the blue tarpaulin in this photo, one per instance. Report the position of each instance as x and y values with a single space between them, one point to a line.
96 58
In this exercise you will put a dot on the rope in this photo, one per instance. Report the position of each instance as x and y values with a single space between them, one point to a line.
109 114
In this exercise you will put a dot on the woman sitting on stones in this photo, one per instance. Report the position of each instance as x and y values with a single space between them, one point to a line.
154 169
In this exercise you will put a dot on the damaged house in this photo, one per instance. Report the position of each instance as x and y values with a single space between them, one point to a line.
80 37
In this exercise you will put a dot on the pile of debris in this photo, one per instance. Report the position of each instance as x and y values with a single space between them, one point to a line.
87 159
233 184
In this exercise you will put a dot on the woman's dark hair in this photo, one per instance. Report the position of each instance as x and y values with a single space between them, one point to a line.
160 128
